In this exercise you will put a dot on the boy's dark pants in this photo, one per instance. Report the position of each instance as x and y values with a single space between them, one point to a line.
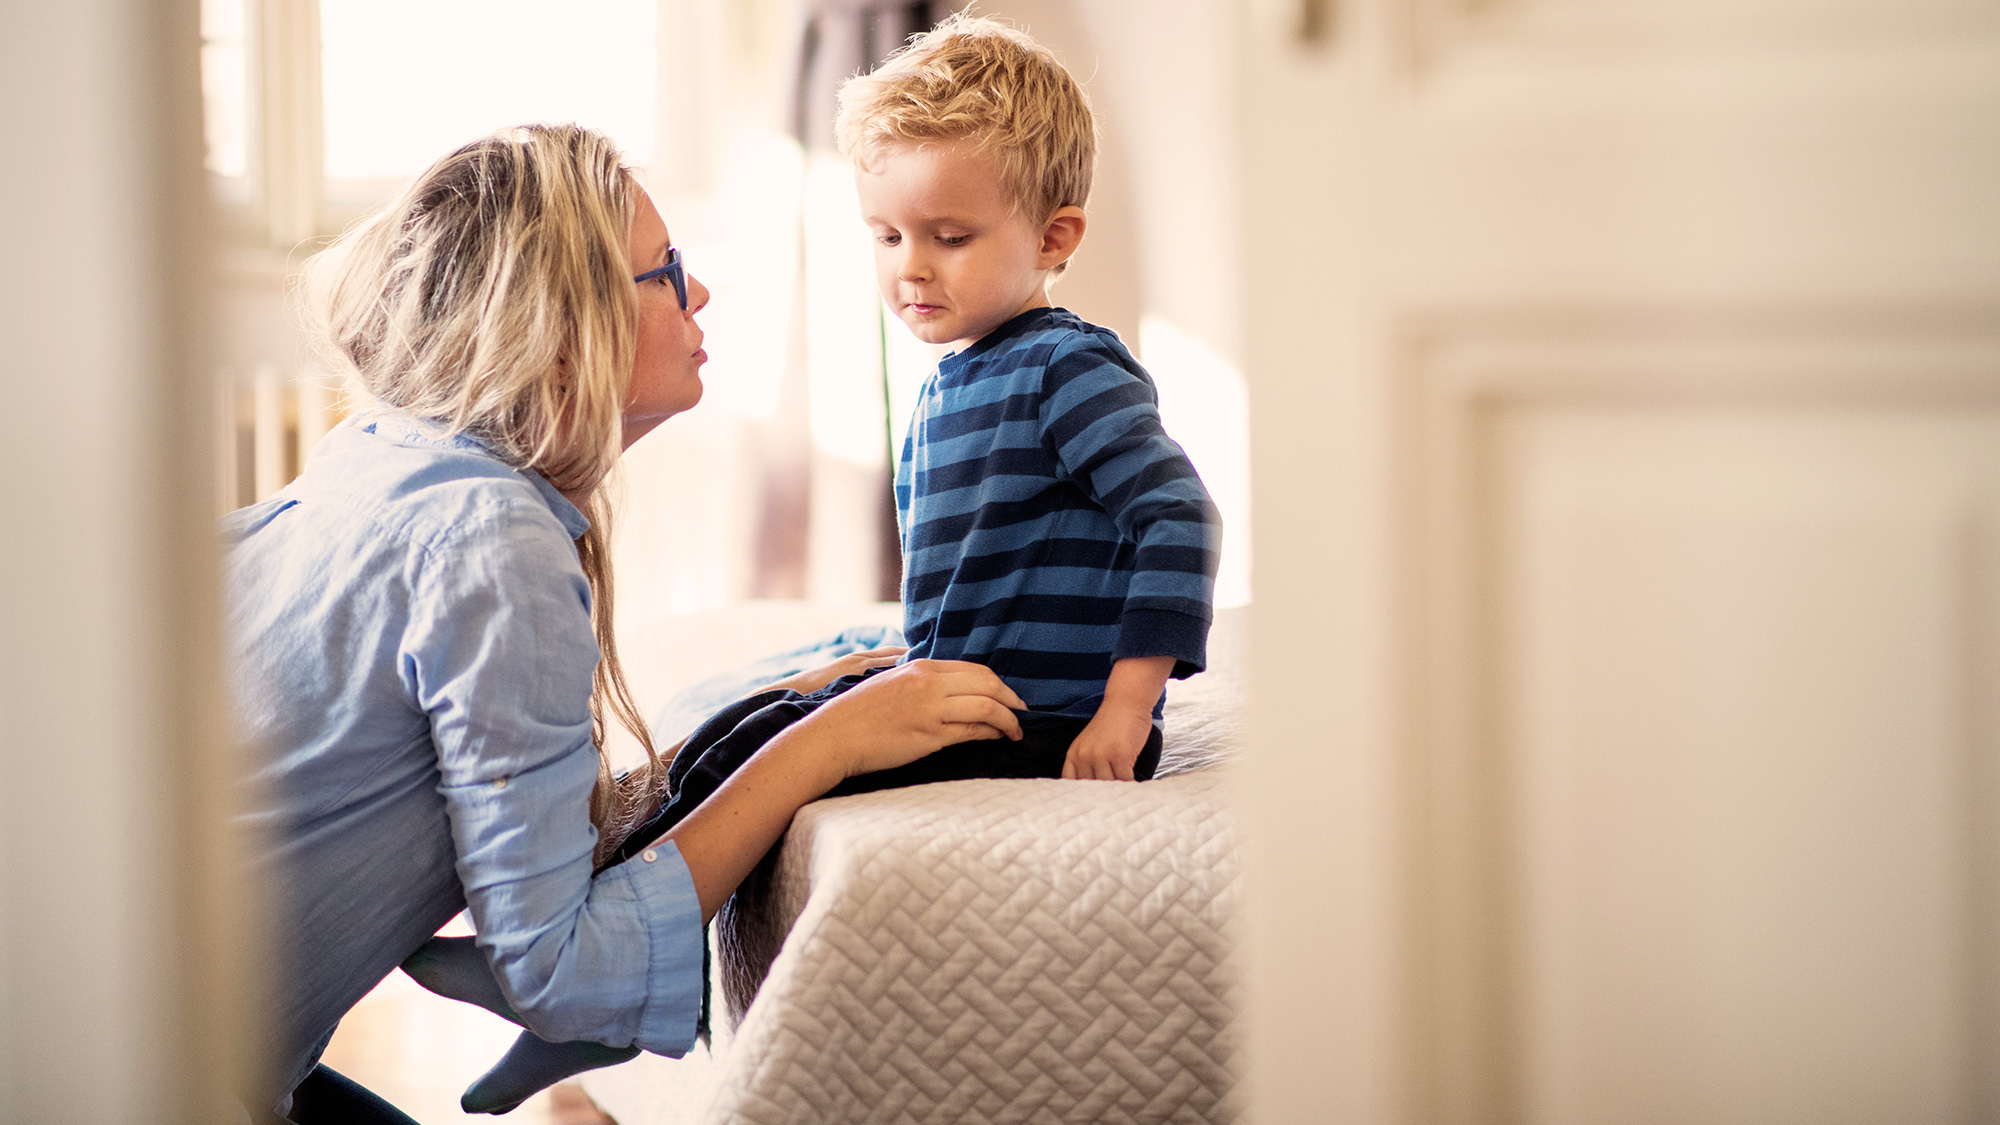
719 746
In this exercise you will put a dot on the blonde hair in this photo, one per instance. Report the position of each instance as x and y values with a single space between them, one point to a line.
977 81
494 298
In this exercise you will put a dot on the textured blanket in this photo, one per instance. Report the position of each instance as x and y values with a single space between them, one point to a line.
983 951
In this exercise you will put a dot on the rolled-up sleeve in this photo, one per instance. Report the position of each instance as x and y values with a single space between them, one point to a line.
500 657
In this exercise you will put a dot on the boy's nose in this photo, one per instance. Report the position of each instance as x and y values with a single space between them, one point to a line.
912 267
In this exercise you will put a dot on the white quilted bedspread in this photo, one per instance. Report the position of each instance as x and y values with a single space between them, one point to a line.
976 951
998 951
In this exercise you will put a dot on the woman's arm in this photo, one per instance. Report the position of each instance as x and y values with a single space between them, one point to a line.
896 717
499 657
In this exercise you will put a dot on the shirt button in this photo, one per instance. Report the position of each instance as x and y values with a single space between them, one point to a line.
649 855
499 783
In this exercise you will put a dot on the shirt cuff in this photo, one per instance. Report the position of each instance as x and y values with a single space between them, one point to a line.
677 938
1163 632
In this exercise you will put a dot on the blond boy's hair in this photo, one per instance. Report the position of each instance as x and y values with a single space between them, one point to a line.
977 81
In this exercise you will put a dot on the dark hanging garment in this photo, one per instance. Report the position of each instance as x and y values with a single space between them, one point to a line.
839 39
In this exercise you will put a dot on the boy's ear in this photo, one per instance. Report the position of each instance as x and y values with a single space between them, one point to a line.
1061 237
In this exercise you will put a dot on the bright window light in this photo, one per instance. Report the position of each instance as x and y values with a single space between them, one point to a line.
225 88
844 329
744 246
406 81
1205 405
911 362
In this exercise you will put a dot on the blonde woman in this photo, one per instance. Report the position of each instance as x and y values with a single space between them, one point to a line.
420 627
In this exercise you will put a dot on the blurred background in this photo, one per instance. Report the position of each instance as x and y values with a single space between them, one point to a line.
1620 380
776 488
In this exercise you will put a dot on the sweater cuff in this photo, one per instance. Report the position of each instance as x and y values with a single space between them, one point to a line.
1163 632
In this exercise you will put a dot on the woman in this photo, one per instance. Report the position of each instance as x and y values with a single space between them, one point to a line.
421 626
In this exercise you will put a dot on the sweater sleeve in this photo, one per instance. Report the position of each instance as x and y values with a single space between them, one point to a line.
1100 419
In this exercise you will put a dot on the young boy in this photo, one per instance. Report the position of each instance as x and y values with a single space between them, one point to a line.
1050 528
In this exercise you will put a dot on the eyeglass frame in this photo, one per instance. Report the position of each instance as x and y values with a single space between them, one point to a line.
672 271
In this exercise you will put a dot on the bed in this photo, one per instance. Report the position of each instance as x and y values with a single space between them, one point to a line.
1004 950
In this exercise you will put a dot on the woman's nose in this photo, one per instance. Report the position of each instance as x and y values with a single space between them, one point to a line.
697 295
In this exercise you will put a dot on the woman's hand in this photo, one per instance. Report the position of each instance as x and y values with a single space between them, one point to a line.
908 712
853 664
896 717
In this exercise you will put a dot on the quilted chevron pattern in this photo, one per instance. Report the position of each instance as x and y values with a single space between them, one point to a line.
993 951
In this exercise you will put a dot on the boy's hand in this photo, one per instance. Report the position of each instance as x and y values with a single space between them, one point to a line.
1111 741
1109 745
853 664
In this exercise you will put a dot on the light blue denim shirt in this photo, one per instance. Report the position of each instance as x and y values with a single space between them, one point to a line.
411 650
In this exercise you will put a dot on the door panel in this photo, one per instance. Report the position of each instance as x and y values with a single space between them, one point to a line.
1740 658
1625 384
1703 719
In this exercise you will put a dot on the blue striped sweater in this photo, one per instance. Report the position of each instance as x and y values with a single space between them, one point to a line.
1049 525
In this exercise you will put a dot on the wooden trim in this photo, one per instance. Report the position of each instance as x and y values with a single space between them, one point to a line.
290 115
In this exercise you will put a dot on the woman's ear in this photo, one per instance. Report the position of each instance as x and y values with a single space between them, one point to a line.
1061 236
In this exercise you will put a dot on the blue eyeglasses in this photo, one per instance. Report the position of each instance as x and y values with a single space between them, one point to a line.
675 275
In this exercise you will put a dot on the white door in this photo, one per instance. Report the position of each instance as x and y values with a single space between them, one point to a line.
1625 386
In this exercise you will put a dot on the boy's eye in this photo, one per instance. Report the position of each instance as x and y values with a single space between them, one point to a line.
954 239
889 239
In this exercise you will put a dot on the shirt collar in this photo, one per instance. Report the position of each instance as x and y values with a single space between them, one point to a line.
574 522
406 429
1019 324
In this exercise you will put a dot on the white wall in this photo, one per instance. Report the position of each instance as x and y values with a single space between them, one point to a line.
1161 260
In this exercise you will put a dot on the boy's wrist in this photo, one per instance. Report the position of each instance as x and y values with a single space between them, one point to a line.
1125 709
1136 683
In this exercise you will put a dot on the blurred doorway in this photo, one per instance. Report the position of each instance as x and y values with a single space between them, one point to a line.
1641 480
